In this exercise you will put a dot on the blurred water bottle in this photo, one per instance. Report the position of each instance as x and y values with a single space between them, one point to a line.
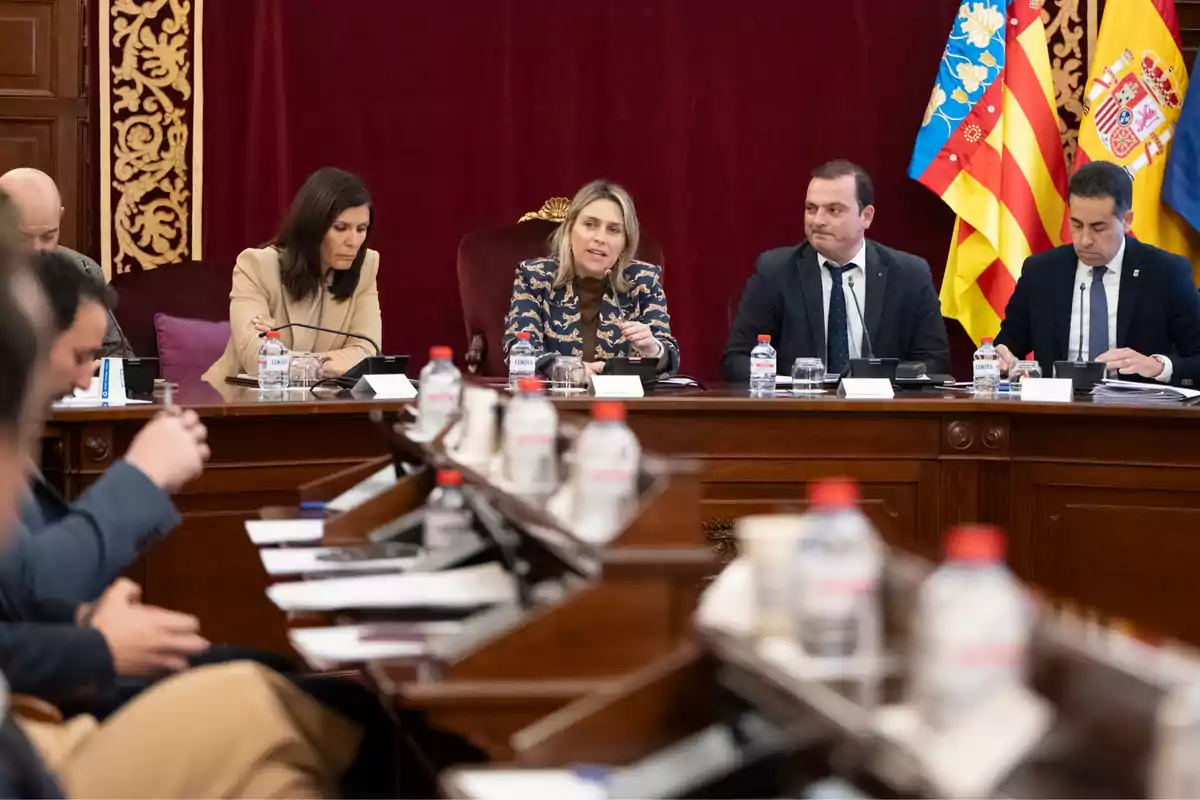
971 629
531 441
447 518
838 563
607 456
274 363
1175 770
986 369
522 359
439 392
762 368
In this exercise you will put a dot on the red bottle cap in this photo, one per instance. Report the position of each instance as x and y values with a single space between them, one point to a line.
978 543
833 493
523 335
608 412
762 337
441 352
986 339
272 334
449 477
529 385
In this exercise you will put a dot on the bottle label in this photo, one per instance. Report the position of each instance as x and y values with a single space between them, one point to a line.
521 365
446 527
987 369
762 366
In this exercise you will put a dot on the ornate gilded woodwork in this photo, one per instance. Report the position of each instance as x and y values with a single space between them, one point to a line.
150 111
553 210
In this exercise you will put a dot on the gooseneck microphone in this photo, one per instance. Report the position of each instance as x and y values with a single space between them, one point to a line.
861 321
1079 356
378 350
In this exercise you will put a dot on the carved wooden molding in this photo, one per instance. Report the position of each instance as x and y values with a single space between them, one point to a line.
97 448
960 435
151 91
1069 41
553 210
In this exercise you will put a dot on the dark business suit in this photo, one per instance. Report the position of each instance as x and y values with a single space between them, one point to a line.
783 298
73 551
1158 309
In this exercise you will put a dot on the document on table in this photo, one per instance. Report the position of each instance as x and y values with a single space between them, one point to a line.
528 784
366 490
374 641
470 587
312 560
285 531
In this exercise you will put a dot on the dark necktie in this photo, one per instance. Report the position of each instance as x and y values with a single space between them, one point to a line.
1098 333
837 338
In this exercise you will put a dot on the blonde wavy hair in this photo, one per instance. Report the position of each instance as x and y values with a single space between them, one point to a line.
560 240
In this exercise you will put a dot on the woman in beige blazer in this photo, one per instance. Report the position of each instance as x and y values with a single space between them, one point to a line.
318 271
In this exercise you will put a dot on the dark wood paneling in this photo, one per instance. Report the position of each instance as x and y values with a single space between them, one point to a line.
1100 502
1188 12
43 110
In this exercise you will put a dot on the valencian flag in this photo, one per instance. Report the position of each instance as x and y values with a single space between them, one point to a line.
990 147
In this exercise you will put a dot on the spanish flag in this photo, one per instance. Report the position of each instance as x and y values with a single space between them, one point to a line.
990 147
1133 99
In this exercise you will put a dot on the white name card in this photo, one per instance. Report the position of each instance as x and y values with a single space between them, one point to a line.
866 388
1046 390
386 387
617 386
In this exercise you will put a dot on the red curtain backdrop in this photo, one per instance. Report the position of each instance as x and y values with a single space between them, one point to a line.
464 114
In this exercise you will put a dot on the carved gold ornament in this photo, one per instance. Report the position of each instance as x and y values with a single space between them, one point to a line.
1065 32
553 210
150 127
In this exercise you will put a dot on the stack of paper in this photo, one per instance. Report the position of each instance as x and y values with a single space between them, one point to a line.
467 588
285 531
314 560
1117 391
358 644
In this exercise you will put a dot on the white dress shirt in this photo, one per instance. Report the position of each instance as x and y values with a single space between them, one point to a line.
853 320
1081 310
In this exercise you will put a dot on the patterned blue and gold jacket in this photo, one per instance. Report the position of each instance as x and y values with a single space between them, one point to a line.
551 315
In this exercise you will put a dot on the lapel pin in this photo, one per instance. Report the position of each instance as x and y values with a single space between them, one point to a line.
1136 272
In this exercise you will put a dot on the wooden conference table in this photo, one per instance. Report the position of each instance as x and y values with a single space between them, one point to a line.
1101 502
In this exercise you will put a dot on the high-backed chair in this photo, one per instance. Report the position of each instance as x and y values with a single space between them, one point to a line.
183 307
487 262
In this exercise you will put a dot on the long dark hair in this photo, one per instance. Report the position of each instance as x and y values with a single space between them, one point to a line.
326 194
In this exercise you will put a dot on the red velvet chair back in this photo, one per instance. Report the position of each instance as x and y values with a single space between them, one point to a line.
487 262
193 289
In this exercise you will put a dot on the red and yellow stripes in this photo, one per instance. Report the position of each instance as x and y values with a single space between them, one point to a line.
1008 187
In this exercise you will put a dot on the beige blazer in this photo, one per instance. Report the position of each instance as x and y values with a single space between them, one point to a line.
258 290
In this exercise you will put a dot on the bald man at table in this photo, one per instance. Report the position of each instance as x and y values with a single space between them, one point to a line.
40 211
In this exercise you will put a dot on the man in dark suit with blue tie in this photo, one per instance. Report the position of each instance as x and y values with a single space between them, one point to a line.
1107 297
813 299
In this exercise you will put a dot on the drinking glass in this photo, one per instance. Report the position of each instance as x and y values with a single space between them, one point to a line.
1020 371
568 375
305 370
808 376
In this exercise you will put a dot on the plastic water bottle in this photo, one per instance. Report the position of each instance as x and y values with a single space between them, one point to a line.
447 518
531 441
440 391
971 630
522 360
986 369
838 563
274 363
762 368
1175 770
607 456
